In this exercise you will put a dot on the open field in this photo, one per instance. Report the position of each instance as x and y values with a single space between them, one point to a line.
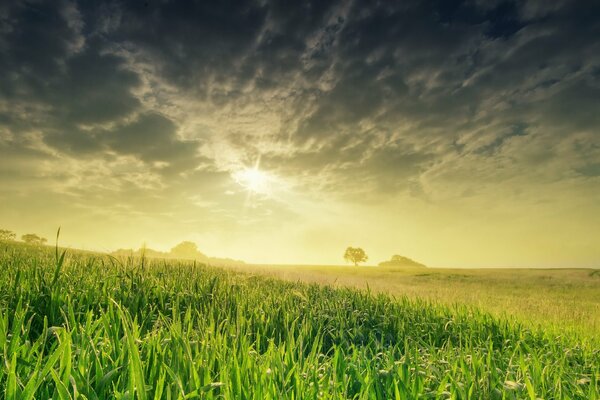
562 300
91 327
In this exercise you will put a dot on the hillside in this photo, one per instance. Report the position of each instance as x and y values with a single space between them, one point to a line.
85 326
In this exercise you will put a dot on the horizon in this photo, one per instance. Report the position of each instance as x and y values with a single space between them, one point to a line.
370 263
464 134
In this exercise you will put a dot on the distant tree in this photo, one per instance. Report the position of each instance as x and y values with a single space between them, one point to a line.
355 255
32 238
187 250
7 236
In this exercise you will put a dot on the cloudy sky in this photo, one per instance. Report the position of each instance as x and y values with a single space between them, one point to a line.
458 133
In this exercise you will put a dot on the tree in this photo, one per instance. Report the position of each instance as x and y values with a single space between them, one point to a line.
355 255
187 250
7 236
32 238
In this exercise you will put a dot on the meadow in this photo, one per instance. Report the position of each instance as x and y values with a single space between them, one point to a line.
558 300
88 326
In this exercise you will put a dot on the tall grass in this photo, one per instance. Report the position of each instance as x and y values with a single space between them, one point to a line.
84 326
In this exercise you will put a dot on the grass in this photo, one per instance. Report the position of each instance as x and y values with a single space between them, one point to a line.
87 326
564 301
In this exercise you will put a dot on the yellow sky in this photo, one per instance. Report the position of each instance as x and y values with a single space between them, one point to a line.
285 225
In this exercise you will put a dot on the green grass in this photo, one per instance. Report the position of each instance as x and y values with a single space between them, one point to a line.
563 301
90 327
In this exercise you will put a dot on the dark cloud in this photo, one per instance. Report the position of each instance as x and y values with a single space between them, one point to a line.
55 80
78 92
451 74
35 40
96 88
153 138
590 170
496 144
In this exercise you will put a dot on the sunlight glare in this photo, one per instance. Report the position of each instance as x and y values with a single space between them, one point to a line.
253 180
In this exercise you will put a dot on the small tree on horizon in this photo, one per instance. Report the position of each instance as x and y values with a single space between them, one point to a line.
355 255
32 238
7 236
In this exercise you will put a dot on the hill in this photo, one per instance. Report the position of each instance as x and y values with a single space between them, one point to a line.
401 261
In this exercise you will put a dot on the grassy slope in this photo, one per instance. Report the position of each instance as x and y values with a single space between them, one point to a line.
557 299
93 328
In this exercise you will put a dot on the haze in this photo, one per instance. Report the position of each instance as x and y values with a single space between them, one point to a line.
462 133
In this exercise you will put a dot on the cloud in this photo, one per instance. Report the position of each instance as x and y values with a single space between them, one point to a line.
57 82
442 78
152 138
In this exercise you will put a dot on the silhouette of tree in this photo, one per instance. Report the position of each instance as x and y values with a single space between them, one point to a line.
355 255
7 236
187 250
32 238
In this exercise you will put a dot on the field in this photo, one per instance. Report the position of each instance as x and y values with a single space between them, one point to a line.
86 326
559 300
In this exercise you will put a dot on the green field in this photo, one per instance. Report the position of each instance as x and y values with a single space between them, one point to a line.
89 326
559 300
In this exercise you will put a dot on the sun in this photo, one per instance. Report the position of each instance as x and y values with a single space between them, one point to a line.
253 180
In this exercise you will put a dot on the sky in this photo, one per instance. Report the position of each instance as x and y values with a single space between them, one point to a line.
457 133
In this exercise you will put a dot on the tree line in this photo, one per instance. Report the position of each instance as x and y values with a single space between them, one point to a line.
30 238
189 250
